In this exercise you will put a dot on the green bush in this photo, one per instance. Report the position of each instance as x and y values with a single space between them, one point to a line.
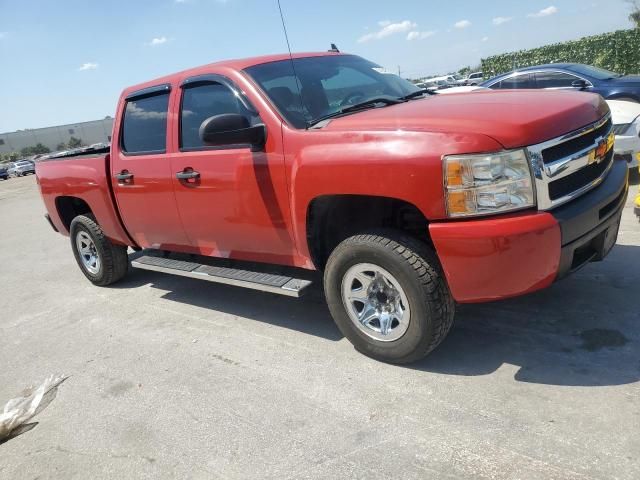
9 157
30 151
75 142
616 51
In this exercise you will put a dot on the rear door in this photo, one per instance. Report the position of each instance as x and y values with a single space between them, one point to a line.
141 172
237 207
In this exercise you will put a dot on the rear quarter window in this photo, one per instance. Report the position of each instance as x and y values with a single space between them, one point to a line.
144 125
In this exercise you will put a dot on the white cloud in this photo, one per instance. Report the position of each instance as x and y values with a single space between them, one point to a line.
485 39
414 35
88 66
138 112
545 12
388 29
157 41
462 24
501 20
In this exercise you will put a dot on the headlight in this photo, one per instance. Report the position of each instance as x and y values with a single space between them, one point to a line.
487 184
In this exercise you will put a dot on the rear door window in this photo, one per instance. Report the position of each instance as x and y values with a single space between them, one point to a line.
144 127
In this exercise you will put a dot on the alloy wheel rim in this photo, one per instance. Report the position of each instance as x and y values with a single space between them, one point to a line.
375 302
88 252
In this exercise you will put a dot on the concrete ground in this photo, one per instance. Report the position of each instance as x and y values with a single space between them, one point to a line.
176 378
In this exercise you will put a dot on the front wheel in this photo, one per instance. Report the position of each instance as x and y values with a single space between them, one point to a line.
102 262
387 295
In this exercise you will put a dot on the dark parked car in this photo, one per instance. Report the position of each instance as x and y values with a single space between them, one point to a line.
4 173
571 76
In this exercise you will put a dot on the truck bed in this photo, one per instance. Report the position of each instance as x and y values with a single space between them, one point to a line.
81 153
79 183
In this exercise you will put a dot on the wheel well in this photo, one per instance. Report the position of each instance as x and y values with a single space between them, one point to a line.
331 219
69 208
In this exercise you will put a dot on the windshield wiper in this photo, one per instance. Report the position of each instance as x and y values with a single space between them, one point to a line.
418 93
370 103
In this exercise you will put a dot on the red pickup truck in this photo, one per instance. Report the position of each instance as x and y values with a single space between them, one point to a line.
409 202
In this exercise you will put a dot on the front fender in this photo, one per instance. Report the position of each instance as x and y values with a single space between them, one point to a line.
402 165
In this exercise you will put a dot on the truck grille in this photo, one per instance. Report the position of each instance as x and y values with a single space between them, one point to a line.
550 155
569 166
571 183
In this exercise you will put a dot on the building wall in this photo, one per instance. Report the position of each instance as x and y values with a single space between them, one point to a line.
89 132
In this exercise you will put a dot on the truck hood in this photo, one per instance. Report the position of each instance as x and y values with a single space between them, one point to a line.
514 118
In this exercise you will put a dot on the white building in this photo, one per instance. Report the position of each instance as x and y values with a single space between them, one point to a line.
89 132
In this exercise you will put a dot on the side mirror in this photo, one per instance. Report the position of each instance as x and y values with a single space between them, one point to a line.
232 129
581 84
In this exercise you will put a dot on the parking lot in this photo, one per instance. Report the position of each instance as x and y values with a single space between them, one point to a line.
175 378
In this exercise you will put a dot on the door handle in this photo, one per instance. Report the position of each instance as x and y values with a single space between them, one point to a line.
187 174
124 177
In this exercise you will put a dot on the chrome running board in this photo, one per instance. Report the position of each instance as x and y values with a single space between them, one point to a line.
266 282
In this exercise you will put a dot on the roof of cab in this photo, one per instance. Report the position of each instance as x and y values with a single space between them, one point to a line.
236 64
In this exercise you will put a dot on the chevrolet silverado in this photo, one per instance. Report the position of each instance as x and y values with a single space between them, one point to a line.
407 202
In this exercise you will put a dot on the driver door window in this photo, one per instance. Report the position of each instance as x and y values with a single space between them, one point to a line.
202 101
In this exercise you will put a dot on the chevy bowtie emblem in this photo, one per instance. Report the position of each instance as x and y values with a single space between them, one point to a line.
598 154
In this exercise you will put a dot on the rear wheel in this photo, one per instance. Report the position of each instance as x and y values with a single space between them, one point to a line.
102 262
388 297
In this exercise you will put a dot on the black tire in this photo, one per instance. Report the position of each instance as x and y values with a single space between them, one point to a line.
114 261
416 268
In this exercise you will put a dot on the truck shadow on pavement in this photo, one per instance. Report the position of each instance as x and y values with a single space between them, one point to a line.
582 331
308 314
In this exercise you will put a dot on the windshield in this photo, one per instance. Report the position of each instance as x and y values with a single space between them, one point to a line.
326 84
595 72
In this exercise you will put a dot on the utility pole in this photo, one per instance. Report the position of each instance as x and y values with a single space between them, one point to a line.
398 70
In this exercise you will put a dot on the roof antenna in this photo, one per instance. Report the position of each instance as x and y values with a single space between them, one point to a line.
333 48
293 67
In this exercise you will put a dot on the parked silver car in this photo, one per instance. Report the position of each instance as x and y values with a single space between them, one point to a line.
21 167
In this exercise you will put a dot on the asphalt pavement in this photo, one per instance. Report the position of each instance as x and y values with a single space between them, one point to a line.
177 378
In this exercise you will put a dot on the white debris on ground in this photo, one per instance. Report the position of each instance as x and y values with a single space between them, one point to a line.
21 409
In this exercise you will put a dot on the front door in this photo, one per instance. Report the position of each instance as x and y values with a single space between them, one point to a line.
142 175
236 203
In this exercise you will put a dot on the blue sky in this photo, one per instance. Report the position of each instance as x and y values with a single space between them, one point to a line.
66 61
